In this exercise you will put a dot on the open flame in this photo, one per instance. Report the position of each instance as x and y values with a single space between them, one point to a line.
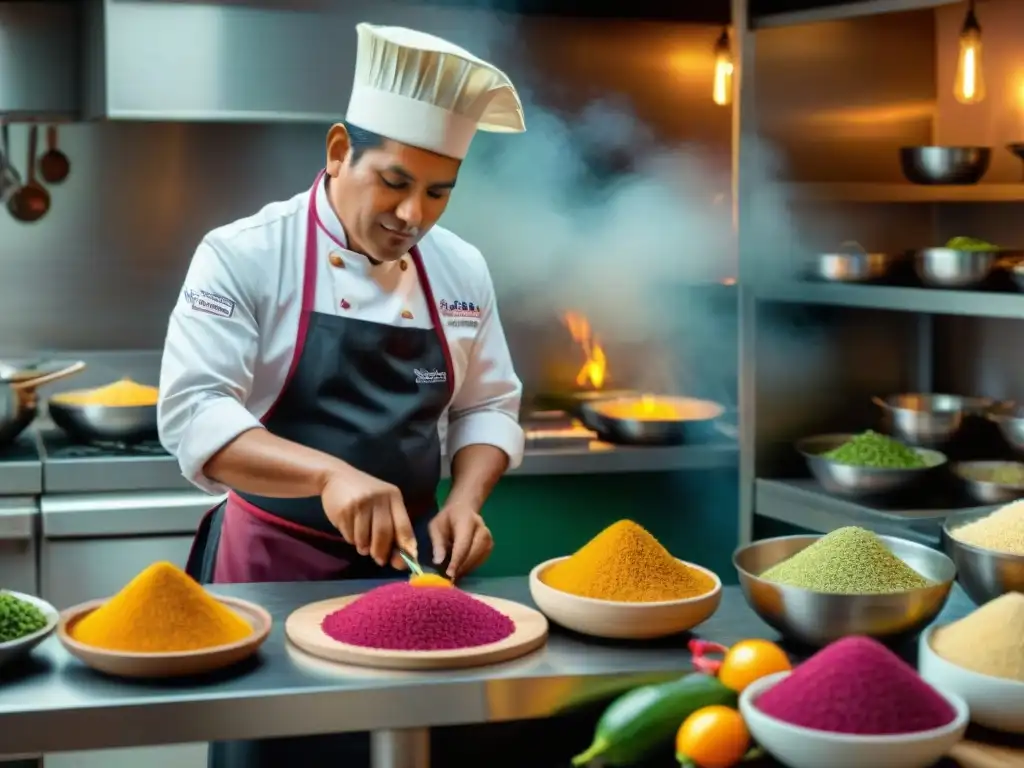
595 367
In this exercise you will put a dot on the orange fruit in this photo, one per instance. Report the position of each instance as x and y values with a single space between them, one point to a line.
751 660
712 737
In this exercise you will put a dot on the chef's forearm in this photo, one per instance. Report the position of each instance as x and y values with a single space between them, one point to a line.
476 469
260 463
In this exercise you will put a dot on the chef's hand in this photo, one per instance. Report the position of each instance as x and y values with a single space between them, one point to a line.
370 515
459 529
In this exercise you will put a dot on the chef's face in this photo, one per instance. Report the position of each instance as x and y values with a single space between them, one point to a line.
388 197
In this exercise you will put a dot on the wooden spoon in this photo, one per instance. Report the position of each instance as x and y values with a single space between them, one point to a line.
54 166
32 201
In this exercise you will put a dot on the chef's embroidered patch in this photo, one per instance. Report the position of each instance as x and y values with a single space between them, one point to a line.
430 377
461 309
210 303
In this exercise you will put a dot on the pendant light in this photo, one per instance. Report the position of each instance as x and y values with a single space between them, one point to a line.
969 87
721 91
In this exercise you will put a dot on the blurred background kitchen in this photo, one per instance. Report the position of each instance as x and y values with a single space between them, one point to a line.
655 233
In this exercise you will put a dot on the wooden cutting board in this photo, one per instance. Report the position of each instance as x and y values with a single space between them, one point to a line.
303 630
973 754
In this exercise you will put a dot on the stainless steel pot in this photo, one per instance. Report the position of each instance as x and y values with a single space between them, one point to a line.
19 402
104 423
929 419
852 264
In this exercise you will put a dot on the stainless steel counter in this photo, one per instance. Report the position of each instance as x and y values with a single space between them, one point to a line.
21 468
54 704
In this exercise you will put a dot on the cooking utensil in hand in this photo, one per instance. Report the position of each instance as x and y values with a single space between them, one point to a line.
54 165
19 402
851 264
410 562
10 179
32 201
945 165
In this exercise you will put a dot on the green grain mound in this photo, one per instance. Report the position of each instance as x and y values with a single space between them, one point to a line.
18 618
871 449
848 561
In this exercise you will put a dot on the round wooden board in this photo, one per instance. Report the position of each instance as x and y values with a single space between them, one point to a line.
303 628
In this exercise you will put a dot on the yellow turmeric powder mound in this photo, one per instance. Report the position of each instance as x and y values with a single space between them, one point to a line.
121 394
162 610
624 563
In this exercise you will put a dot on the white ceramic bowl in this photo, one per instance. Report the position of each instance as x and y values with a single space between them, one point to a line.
15 649
623 621
994 702
806 748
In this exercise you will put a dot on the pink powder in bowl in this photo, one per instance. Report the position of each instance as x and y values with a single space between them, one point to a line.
401 617
856 685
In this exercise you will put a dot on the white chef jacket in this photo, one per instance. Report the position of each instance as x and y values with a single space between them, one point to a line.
233 331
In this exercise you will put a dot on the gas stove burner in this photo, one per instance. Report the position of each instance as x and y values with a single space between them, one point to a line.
95 450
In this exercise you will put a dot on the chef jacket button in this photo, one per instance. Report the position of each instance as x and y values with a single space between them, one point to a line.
403 265
336 260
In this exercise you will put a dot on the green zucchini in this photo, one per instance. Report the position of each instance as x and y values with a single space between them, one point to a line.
640 721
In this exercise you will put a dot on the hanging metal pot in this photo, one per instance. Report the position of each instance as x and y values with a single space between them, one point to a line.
19 402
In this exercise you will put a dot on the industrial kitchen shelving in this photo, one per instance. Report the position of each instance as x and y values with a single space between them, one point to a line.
770 405
904 193
896 298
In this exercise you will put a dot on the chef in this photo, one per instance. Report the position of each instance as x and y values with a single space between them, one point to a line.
325 351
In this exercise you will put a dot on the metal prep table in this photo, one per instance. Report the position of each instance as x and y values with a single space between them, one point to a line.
54 704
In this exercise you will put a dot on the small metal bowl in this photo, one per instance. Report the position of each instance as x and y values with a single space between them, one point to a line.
983 573
1017 273
929 419
950 268
986 491
817 619
861 482
1009 417
945 165
105 423
852 264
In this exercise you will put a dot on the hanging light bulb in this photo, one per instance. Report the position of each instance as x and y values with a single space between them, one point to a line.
722 89
969 87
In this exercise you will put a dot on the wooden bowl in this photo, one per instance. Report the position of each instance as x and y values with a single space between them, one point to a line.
165 665
623 621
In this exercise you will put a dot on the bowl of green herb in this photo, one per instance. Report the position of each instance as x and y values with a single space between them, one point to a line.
25 621
817 589
868 464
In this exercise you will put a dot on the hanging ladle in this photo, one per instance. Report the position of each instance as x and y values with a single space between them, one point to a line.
32 201
10 180
54 165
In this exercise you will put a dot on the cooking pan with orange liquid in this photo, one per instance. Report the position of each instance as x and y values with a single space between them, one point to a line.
653 419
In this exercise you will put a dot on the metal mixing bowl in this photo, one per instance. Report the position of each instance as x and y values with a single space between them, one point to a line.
1010 419
986 491
861 482
817 619
928 419
945 165
950 268
982 573
104 423
852 264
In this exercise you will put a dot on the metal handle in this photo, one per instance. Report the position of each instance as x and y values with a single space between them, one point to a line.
17 523
47 378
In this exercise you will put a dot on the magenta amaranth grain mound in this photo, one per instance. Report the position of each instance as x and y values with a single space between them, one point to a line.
401 617
856 685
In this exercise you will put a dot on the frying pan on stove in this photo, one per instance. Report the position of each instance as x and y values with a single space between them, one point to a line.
629 430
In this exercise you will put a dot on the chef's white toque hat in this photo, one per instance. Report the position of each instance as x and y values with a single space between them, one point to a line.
420 90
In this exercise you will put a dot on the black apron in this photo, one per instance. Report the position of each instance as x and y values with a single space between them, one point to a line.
371 395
